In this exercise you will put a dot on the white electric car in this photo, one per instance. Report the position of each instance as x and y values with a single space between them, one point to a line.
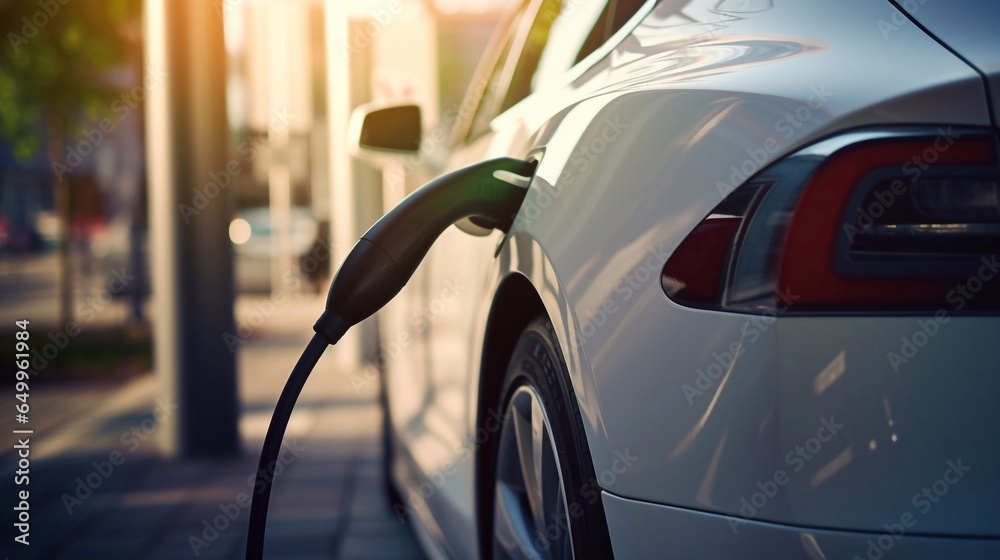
750 307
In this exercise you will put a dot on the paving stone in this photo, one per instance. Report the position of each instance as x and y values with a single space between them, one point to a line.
393 547
328 502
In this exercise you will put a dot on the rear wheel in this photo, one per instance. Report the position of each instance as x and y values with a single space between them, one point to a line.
546 502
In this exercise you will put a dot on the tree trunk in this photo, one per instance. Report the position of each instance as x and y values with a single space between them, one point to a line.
61 192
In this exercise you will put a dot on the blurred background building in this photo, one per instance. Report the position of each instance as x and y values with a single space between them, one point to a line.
87 151
295 70
390 51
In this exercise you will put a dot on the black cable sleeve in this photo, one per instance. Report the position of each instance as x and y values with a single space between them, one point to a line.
272 444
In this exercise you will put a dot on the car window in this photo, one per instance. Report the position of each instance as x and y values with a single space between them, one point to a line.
624 10
561 34
567 39
564 33
487 106
489 83
557 36
615 15
598 34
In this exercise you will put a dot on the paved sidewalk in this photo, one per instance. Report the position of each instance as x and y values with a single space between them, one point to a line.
327 503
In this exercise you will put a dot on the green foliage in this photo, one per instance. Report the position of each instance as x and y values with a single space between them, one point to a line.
56 54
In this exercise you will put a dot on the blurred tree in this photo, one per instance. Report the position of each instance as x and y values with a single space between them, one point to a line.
53 83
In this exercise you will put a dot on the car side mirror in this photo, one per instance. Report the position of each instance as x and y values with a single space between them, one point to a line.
385 132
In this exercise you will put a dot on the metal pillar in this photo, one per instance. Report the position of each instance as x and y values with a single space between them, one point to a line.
192 264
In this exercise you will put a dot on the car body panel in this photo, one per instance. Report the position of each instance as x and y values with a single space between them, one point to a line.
638 148
961 25
913 395
427 351
680 130
644 530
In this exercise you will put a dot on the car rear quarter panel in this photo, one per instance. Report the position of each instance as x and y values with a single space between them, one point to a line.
637 151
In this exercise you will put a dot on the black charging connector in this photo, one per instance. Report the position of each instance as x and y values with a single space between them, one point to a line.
489 193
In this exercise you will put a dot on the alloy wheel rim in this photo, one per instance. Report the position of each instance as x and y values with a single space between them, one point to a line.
530 514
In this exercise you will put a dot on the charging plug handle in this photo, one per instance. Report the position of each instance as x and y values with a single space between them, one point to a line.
376 269
386 256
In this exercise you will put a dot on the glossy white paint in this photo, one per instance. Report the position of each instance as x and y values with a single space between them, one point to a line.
643 530
638 148
962 25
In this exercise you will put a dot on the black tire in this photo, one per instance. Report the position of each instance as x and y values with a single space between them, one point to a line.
537 365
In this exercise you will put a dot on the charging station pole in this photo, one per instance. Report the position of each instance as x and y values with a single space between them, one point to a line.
191 256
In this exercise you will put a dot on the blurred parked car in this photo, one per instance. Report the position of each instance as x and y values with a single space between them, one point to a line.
252 237
19 238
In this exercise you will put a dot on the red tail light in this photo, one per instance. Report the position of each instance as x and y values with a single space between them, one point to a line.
701 261
869 221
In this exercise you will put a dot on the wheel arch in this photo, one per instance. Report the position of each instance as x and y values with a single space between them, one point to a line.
515 304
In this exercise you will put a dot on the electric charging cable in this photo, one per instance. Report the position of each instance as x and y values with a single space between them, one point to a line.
488 193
